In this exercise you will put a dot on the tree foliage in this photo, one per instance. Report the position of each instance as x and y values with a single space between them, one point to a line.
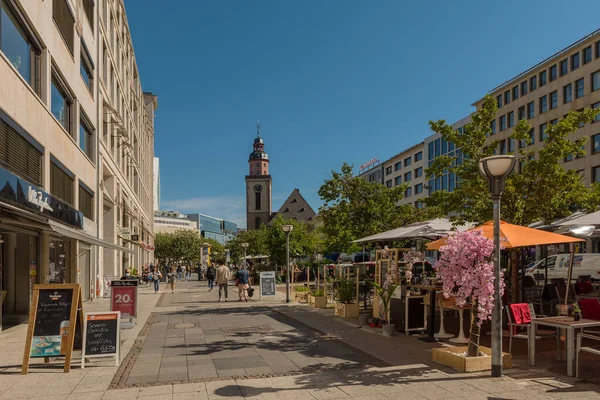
354 208
541 188
304 242
183 246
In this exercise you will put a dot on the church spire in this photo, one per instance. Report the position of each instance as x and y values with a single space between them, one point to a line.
258 129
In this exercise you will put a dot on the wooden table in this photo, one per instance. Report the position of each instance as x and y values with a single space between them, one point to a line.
567 323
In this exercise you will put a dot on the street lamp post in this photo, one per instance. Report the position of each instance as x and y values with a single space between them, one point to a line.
496 169
245 246
287 229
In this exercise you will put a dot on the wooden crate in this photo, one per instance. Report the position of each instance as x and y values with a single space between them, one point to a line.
446 356
346 310
317 302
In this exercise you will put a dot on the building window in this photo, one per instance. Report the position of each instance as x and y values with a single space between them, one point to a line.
502 147
568 93
533 83
419 172
511 119
596 143
86 136
507 97
554 121
388 170
543 78
18 47
398 165
515 92
530 110
553 100
543 135
521 113
502 122
499 100
408 176
257 201
596 175
598 49
257 223
60 103
86 68
523 88
419 156
564 67
407 161
596 105
61 182
511 144
86 201
398 180
580 88
595 81
419 188
19 153
532 135
493 127
553 73
418 204
388 183
65 22
408 192
543 104
587 55
88 8
574 61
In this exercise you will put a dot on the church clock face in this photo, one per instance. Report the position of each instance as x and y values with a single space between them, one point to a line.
258 188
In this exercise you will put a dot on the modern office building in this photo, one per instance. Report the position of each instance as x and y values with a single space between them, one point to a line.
214 228
371 170
77 143
156 183
172 221
407 167
543 94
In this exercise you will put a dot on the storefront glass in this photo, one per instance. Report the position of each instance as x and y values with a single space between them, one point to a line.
58 272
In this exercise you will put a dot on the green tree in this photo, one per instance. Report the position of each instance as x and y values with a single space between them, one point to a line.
255 240
163 248
301 241
540 188
354 208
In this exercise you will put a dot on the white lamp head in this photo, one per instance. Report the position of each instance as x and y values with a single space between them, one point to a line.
497 167
244 245
287 228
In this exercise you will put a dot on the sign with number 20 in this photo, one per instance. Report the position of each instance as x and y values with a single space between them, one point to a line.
123 297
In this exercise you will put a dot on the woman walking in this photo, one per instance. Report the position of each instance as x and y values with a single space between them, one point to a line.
172 277
157 276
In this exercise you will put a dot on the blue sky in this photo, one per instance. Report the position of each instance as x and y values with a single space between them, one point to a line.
330 81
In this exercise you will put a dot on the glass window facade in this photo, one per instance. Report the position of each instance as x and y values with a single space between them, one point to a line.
596 143
564 67
60 104
568 93
543 135
587 54
524 90
553 73
553 100
515 92
596 81
574 61
398 180
502 122
543 104
530 110
511 119
543 78
580 88
533 83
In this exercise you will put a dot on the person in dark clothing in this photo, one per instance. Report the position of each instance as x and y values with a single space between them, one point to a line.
210 277
242 283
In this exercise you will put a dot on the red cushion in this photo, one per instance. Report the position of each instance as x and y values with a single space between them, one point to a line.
590 308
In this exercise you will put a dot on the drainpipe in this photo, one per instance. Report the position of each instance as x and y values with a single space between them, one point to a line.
96 275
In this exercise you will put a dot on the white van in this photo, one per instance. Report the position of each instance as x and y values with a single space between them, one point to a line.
558 267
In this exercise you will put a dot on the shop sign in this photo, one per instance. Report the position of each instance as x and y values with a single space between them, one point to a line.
123 297
101 336
369 163
125 233
22 194
135 238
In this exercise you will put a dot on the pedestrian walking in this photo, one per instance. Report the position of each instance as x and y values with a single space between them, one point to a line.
188 272
242 283
223 276
157 276
210 277
171 277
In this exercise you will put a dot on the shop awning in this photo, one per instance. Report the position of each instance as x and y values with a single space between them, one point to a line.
84 237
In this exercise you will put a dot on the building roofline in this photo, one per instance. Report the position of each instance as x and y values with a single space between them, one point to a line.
421 143
555 55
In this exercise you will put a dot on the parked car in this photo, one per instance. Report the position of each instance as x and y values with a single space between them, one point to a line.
558 267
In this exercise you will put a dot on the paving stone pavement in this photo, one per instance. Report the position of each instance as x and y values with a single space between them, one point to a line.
263 350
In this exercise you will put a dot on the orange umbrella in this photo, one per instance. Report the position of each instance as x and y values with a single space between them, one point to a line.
515 236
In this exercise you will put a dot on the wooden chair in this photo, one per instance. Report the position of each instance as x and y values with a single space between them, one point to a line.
588 349
512 326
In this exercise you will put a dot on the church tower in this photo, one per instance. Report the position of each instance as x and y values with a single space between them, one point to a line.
258 186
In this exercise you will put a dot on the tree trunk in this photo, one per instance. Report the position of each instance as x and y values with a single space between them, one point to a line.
473 349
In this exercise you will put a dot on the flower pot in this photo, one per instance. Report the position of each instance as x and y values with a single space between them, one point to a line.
301 297
346 310
363 319
388 329
451 357
317 302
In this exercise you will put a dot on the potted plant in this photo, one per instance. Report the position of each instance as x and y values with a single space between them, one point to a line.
346 306
385 295
576 312
317 299
301 293
467 273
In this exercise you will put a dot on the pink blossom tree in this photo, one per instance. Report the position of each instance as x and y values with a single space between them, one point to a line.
467 273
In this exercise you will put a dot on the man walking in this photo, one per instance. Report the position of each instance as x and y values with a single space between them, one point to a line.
242 283
210 277
223 276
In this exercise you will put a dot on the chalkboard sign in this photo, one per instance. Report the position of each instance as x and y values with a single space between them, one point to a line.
101 335
267 283
53 323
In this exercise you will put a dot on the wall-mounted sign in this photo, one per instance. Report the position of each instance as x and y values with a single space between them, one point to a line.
22 194
125 233
369 163
135 238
